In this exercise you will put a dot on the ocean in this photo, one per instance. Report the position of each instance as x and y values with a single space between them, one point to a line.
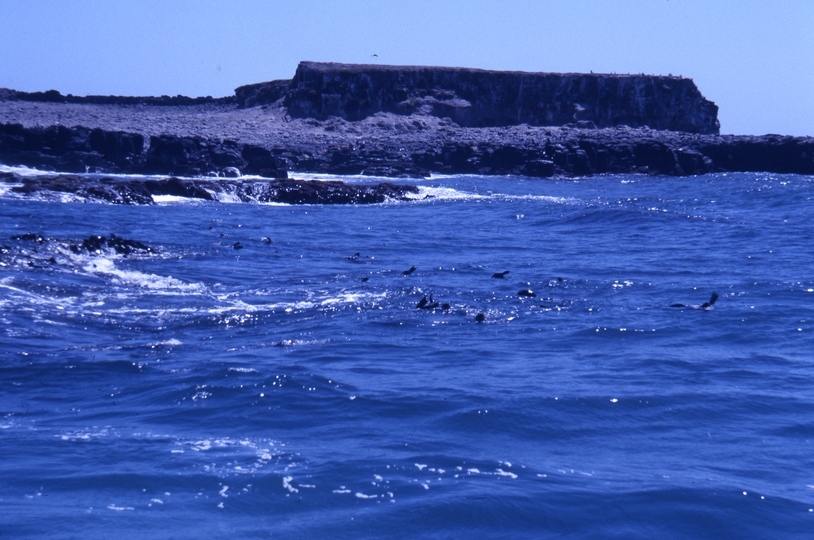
264 371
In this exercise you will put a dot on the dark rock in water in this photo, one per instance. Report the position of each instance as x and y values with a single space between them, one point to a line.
480 98
180 188
94 244
480 317
318 192
500 275
110 190
138 191
125 246
30 237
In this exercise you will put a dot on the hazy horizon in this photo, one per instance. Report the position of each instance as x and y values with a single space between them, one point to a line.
754 60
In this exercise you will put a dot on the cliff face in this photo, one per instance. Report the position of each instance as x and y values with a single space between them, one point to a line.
479 98
79 149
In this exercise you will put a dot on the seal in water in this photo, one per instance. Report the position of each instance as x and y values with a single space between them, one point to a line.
424 303
704 306
408 272
527 293
480 317
500 275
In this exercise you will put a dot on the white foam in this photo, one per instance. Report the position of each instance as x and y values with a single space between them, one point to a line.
445 194
168 343
23 171
287 484
169 199
106 266
225 197
243 370
6 187
501 472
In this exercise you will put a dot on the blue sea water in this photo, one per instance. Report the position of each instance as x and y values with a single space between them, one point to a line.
270 391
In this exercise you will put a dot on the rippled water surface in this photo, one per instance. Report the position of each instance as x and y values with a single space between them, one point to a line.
292 389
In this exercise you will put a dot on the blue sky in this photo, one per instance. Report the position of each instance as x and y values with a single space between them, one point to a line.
754 58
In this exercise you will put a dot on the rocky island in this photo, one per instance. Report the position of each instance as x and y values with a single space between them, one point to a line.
395 121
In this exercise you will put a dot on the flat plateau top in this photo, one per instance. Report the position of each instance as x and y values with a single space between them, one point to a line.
361 68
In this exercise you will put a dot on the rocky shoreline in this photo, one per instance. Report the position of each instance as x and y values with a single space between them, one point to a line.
254 133
140 191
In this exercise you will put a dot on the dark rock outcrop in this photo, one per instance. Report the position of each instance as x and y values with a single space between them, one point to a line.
193 156
69 149
95 244
568 152
137 191
79 149
480 98
253 95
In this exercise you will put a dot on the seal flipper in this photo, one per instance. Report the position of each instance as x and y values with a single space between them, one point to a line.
712 299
